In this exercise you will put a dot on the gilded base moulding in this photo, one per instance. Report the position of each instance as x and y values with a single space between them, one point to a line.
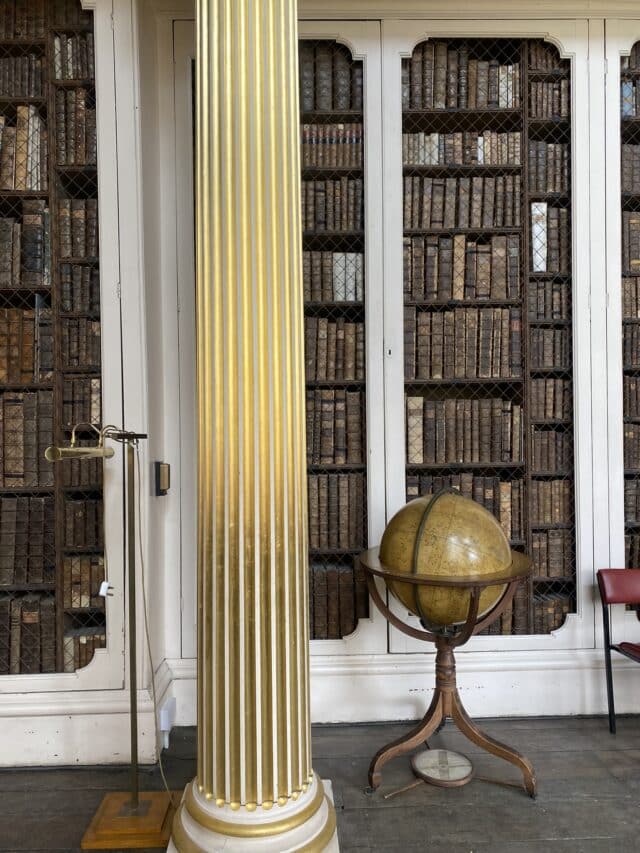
307 825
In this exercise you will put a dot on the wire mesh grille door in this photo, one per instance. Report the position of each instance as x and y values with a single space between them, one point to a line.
630 185
487 296
51 539
332 146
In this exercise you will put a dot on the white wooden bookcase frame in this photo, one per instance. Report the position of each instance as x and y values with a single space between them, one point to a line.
374 662
571 39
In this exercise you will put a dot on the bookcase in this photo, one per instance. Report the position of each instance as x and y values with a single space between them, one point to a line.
333 137
487 298
51 531
630 260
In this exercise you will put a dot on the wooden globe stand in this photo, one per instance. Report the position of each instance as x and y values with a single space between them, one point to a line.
446 703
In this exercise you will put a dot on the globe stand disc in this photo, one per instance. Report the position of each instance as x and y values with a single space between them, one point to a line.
442 767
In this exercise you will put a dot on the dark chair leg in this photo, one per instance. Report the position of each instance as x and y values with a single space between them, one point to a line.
607 661
612 710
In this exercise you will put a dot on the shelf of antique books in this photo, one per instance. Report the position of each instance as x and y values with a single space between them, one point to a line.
27 634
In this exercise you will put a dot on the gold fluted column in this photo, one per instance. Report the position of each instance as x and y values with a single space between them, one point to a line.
255 787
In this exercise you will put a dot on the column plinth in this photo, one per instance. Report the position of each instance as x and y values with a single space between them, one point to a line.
255 788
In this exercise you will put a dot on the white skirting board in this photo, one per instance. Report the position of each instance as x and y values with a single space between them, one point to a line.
93 727
398 687
38 730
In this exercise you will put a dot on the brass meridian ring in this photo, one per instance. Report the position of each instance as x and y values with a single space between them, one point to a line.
262 830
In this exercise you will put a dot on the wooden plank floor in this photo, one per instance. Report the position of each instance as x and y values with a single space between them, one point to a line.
589 790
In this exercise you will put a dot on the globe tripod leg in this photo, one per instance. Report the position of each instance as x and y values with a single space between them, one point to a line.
495 747
425 728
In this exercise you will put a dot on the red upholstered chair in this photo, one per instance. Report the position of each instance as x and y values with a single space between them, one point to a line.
617 586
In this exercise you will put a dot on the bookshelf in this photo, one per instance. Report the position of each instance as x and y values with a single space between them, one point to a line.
487 298
51 551
333 195
630 247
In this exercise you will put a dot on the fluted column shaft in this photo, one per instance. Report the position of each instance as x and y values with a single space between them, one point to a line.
254 757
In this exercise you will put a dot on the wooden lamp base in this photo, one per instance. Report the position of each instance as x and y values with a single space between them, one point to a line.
117 826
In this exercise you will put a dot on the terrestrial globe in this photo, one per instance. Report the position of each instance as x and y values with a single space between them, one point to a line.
450 536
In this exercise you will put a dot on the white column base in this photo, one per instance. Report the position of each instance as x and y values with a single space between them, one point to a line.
190 836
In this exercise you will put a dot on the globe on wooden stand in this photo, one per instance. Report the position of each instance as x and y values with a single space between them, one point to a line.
447 560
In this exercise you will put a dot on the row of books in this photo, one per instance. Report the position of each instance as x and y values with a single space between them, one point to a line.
552 553
333 205
81 473
26 345
549 167
74 57
81 400
468 148
550 611
551 502
550 238
27 634
338 597
78 227
631 298
630 180
26 430
333 276
80 342
514 619
21 76
329 79
551 400
79 289
631 444
25 248
440 269
549 300
629 99
550 100
24 152
69 13
630 155
452 203
332 145
550 450
335 427
631 345
632 550
83 527
336 511
458 431
630 242
543 57
26 540
79 649
82 577
334 351
465 343
550 348
76 138
503 498
631 396
632 500
439 77
22 19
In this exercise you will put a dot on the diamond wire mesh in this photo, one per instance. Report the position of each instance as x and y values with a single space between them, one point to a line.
332 148
630 185
51 538
487 296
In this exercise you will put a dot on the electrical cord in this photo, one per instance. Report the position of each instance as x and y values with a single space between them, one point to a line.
146 629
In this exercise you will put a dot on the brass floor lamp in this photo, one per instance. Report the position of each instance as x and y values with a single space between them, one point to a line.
124 819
